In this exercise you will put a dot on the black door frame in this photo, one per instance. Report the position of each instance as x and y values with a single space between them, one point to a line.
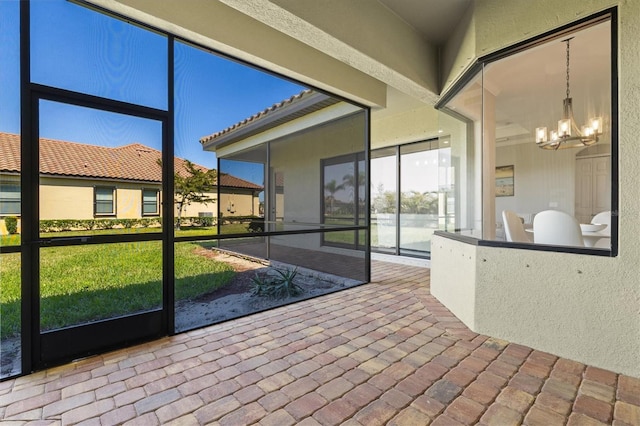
63 345
159 322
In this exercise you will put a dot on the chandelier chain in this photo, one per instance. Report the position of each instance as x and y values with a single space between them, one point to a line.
568 93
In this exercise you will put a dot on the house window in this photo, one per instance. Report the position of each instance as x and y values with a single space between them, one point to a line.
150 202
509 156
104 201
9 199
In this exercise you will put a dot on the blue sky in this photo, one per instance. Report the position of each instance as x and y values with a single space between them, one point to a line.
84 51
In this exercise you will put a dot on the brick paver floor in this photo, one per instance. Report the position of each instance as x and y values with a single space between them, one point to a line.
382 353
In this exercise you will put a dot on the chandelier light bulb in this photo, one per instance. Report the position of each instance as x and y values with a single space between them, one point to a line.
564 127
541 134
569 135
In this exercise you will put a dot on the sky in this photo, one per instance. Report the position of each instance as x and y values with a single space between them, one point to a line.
80 50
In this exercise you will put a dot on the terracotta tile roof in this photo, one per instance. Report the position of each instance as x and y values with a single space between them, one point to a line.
133 162
231 181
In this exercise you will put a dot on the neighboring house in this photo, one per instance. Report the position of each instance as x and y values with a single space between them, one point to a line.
80 181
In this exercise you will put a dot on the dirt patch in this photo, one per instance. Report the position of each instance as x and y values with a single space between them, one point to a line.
235 299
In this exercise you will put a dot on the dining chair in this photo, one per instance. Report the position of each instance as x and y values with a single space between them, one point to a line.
604 218
513 228
556 228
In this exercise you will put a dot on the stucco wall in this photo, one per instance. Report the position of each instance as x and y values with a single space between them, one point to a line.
403 121
581 307
192 210
455 277
236 203
66 199
298 158
73 199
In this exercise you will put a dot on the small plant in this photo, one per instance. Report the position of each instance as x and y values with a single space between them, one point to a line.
256 225
278 284
12 224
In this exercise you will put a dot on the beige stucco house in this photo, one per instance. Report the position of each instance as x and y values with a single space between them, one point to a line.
80 181
576 303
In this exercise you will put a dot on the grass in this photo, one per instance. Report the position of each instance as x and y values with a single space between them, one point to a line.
343 237
86 283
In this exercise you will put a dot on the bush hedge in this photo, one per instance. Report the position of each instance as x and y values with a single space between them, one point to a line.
60 225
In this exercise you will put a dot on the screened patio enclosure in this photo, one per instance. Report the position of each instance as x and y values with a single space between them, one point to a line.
113 225
309 151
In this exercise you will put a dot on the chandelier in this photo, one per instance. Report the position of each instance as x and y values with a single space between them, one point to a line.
568 135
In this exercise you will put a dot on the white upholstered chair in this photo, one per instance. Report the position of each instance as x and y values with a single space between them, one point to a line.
603 217
557 228
513 228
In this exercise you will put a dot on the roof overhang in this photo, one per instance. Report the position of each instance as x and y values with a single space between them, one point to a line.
303 113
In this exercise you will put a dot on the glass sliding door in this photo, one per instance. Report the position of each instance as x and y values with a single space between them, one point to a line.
339 198
418 197
410 192
344 198
384 196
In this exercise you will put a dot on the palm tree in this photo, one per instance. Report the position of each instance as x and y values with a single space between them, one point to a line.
332 187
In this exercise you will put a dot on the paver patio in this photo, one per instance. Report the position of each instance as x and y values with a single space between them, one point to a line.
381 353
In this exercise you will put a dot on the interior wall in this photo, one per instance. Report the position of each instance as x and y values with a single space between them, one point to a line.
542 179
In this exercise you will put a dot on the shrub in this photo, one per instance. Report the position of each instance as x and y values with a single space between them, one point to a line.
278 285
12 224
105 223
149 222
126 223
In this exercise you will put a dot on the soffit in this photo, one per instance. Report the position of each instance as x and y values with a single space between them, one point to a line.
364 34
435 20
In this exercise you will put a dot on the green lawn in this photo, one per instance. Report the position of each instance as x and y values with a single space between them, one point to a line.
343 237
91 282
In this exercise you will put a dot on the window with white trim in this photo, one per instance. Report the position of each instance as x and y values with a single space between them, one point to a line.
104 201
9 198
150 202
